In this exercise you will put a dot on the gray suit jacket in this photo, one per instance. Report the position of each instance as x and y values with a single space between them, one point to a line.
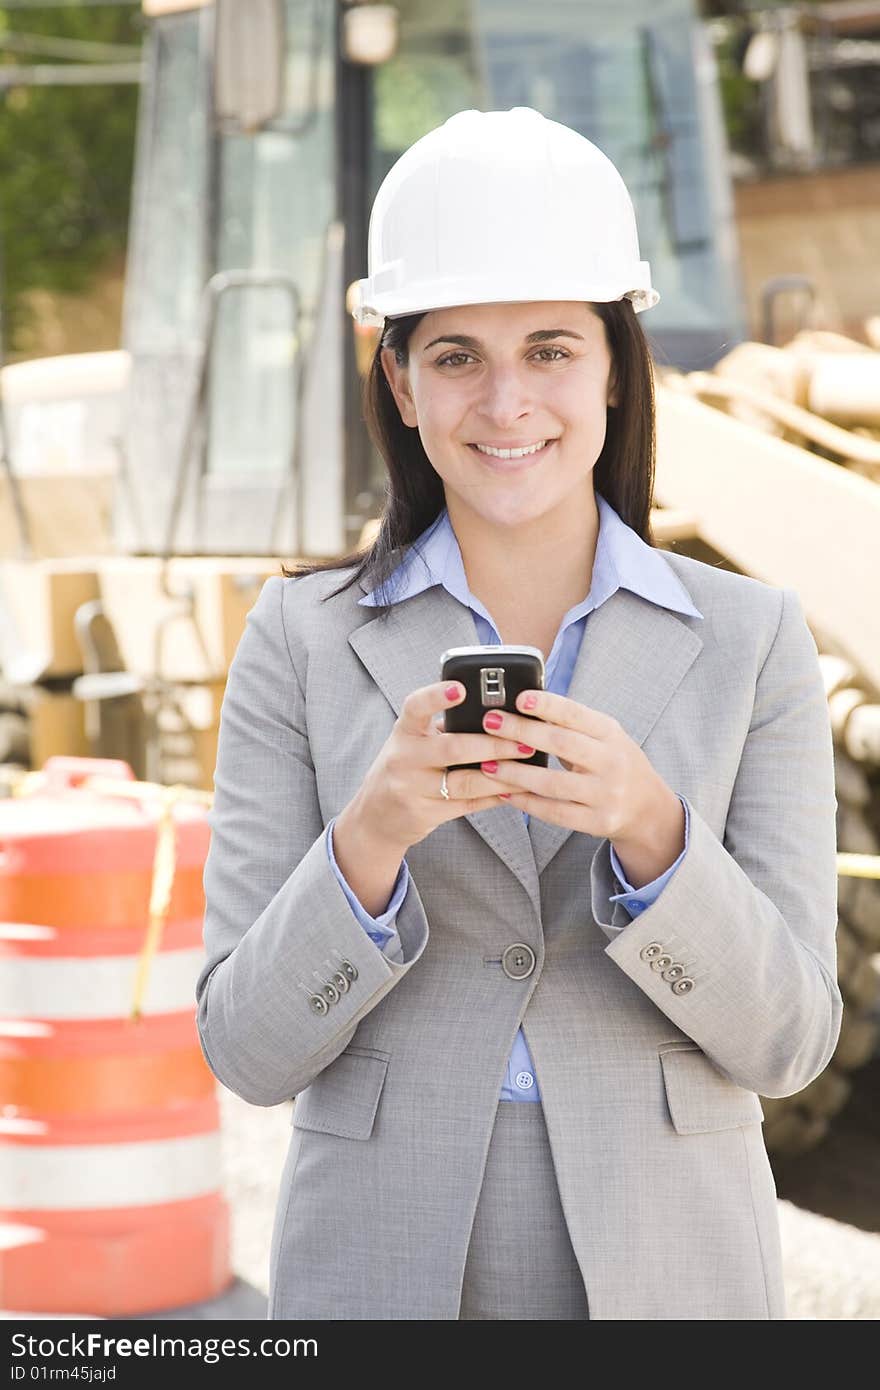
651 1095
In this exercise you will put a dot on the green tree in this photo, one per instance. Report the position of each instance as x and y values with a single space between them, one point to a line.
66 155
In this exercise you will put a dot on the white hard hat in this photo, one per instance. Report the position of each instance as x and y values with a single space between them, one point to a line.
500 207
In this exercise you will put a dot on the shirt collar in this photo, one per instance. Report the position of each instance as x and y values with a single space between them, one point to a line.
622 561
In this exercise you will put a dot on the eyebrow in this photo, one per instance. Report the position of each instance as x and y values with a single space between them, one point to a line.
542 335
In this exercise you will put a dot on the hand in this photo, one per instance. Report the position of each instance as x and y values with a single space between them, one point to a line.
400 800
609 787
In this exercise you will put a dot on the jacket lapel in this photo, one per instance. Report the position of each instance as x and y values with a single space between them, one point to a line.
633 656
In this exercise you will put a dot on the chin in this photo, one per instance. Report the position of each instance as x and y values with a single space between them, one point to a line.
517 514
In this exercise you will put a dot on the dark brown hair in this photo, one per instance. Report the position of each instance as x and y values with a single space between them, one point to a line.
623 473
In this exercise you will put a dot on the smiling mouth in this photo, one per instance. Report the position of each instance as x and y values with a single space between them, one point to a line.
513 455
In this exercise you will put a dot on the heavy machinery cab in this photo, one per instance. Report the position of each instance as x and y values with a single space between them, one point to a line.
264 133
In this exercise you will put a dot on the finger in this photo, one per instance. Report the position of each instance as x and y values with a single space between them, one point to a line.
559 709
420 706
482 803
572 814
546 782
471 784
566 744
472 748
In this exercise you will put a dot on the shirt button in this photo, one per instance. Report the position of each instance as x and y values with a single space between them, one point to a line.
524 1080
637 905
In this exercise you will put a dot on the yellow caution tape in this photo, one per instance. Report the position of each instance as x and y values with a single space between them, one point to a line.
164 862
160 900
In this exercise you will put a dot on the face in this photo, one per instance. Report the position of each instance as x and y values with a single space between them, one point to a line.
485 378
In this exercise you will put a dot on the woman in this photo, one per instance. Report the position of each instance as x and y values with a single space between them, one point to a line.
527 1012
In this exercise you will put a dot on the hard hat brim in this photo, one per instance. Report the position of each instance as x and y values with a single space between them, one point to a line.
373 309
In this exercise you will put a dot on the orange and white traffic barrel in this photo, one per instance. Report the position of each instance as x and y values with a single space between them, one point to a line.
111 1198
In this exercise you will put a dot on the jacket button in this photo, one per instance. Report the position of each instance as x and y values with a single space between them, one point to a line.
660 963
650 951
350 970
330 992
340 980
518 961
318 1004
682 986
674 972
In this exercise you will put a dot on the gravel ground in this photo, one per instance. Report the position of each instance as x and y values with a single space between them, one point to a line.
832 1270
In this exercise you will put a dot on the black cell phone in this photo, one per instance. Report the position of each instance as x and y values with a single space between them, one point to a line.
492 676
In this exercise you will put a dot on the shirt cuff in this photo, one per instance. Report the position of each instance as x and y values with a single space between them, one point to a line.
380 929
635 900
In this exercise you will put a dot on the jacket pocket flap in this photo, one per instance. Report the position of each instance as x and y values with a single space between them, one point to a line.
344 1097
700 1098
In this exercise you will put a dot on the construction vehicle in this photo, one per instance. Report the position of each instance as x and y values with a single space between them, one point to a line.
149 492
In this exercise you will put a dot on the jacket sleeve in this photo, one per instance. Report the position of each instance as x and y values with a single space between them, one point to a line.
289 971
380 929
739 950
635 900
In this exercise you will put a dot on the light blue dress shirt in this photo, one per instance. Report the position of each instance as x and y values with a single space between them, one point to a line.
622 560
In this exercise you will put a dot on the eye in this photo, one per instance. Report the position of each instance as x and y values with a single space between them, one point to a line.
560 352
448 359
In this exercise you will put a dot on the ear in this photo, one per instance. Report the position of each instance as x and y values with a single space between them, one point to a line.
398 380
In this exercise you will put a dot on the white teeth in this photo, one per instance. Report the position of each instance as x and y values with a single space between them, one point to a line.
510 453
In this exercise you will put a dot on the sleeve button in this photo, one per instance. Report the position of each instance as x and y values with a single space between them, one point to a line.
651 951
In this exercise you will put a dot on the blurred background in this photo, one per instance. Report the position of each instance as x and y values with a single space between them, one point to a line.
184 194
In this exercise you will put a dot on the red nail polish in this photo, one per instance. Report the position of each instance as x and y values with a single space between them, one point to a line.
489 767
529 701
493 721
451 692
524 748
505 796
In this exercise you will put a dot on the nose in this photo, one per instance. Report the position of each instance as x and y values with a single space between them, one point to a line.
506 399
